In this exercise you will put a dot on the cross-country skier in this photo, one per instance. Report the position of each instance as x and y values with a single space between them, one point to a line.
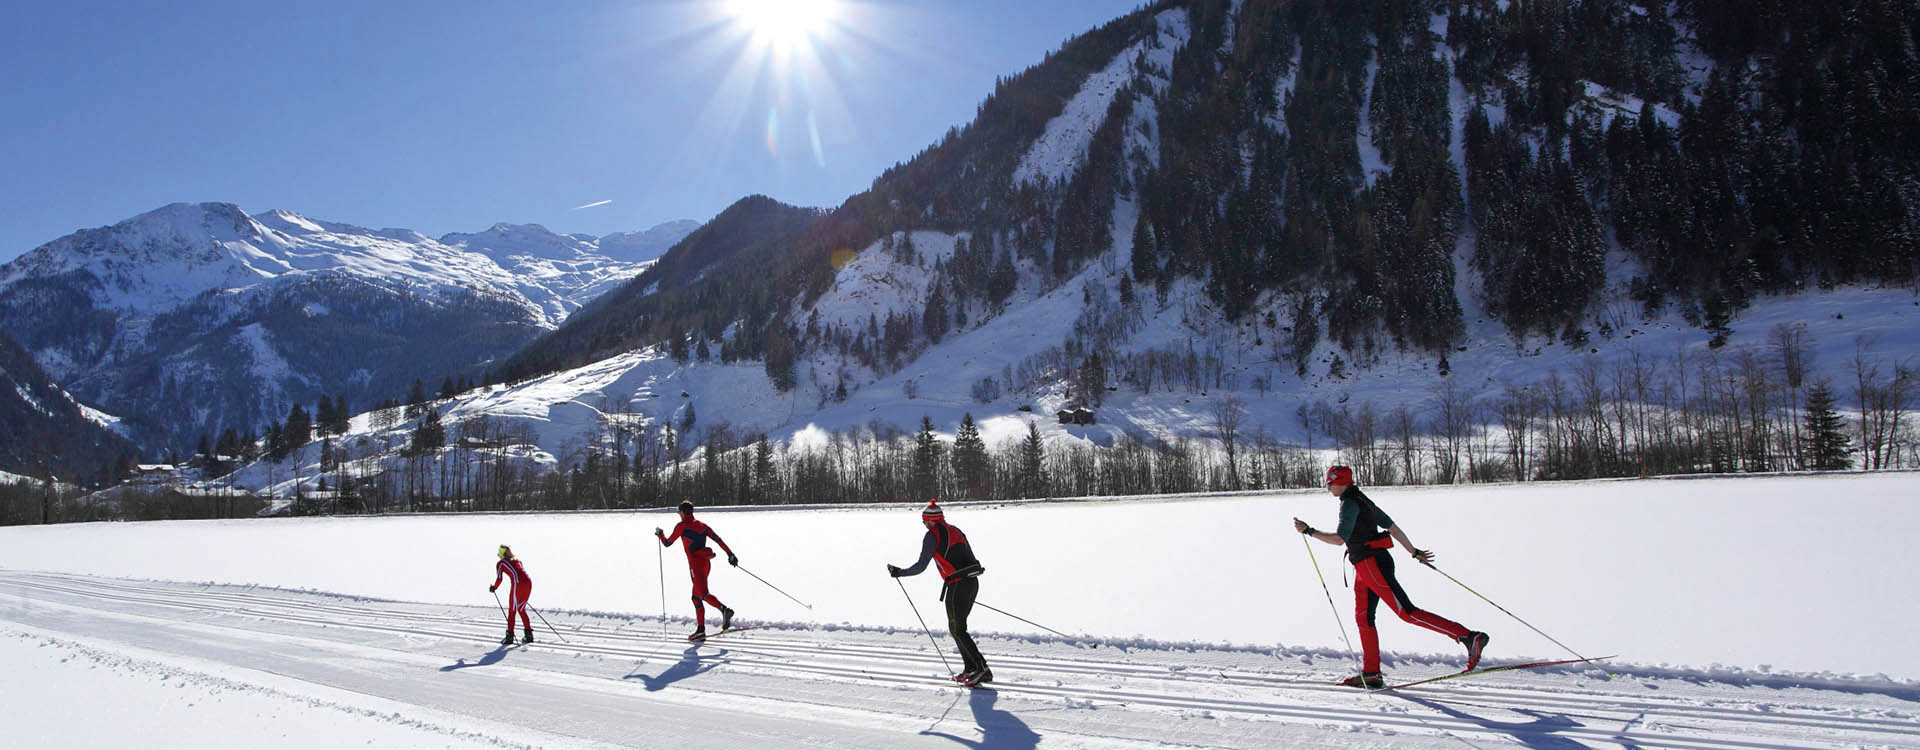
694 536
947 546
1360 530
510 568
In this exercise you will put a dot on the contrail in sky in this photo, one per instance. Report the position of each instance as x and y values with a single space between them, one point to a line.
591 205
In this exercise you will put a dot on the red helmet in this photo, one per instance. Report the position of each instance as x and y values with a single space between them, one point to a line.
1339 475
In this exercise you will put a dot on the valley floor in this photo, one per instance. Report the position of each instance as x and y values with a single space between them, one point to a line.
103 661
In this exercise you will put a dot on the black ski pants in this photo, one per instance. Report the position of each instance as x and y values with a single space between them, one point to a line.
959 596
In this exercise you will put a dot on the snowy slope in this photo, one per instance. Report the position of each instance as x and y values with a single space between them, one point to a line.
1196 623
1063 145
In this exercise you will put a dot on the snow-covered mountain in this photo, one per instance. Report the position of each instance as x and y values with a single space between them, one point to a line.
198 316
46 431
1098 225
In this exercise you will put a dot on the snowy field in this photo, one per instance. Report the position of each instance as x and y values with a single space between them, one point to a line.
1743 611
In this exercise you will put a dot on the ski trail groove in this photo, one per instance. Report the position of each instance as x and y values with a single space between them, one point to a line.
1587 714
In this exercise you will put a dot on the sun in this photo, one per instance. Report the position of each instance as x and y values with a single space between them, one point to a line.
784 22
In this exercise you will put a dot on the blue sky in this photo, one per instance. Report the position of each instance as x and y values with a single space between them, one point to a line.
451 116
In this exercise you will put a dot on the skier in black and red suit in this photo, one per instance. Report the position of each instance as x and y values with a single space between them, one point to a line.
960 571
1361 524
520 588
694 536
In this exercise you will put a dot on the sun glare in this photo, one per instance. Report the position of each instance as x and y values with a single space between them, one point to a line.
784 21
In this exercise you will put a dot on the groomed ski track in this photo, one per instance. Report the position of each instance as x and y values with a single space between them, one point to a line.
623 680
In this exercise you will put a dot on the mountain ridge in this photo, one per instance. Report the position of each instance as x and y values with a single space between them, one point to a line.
180 316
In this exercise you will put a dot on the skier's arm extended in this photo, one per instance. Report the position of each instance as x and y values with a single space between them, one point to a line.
926 554
667 541
1349 517
1401 537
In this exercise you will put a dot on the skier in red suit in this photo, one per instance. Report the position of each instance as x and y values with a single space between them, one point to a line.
1368 532
515 573
694 535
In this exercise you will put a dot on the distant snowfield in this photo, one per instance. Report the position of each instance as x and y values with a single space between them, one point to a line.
1198 623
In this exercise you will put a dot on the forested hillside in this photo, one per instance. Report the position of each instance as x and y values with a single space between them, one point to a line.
46 432
1374 173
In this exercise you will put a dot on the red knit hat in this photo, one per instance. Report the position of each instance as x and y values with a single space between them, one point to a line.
1339 475
933 512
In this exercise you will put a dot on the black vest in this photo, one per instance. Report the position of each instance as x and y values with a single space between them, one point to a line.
1364 541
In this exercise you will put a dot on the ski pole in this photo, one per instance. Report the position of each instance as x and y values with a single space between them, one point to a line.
777 588
503 608
923 626
660 557
1330 606
543 621
1502 609
1030 622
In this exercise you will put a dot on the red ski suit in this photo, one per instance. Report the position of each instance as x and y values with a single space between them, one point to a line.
1362 525
693 536
513 571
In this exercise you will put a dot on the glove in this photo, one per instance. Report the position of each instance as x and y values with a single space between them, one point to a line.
1302 527
493 588
893 570
657 532
733 559
1424 556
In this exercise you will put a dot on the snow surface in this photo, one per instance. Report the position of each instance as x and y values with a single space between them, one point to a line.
1196 623
1063 146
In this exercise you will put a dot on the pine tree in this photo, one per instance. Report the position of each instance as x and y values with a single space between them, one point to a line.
935 318
926 461
429 435
416 396
970 459
677 348
323 417
298 430
780 358
1825 444
1002 279
765 478
343 419
447 389
1032 474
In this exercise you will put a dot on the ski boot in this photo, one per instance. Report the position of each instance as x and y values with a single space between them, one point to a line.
726 618
698 634
507 641
1475 642
1368 680
528 638
978 677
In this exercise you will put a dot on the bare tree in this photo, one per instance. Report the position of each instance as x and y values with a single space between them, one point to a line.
1228 413
1790 352
1451 421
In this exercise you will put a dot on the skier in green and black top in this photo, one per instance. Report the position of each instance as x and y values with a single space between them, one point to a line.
1361 530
